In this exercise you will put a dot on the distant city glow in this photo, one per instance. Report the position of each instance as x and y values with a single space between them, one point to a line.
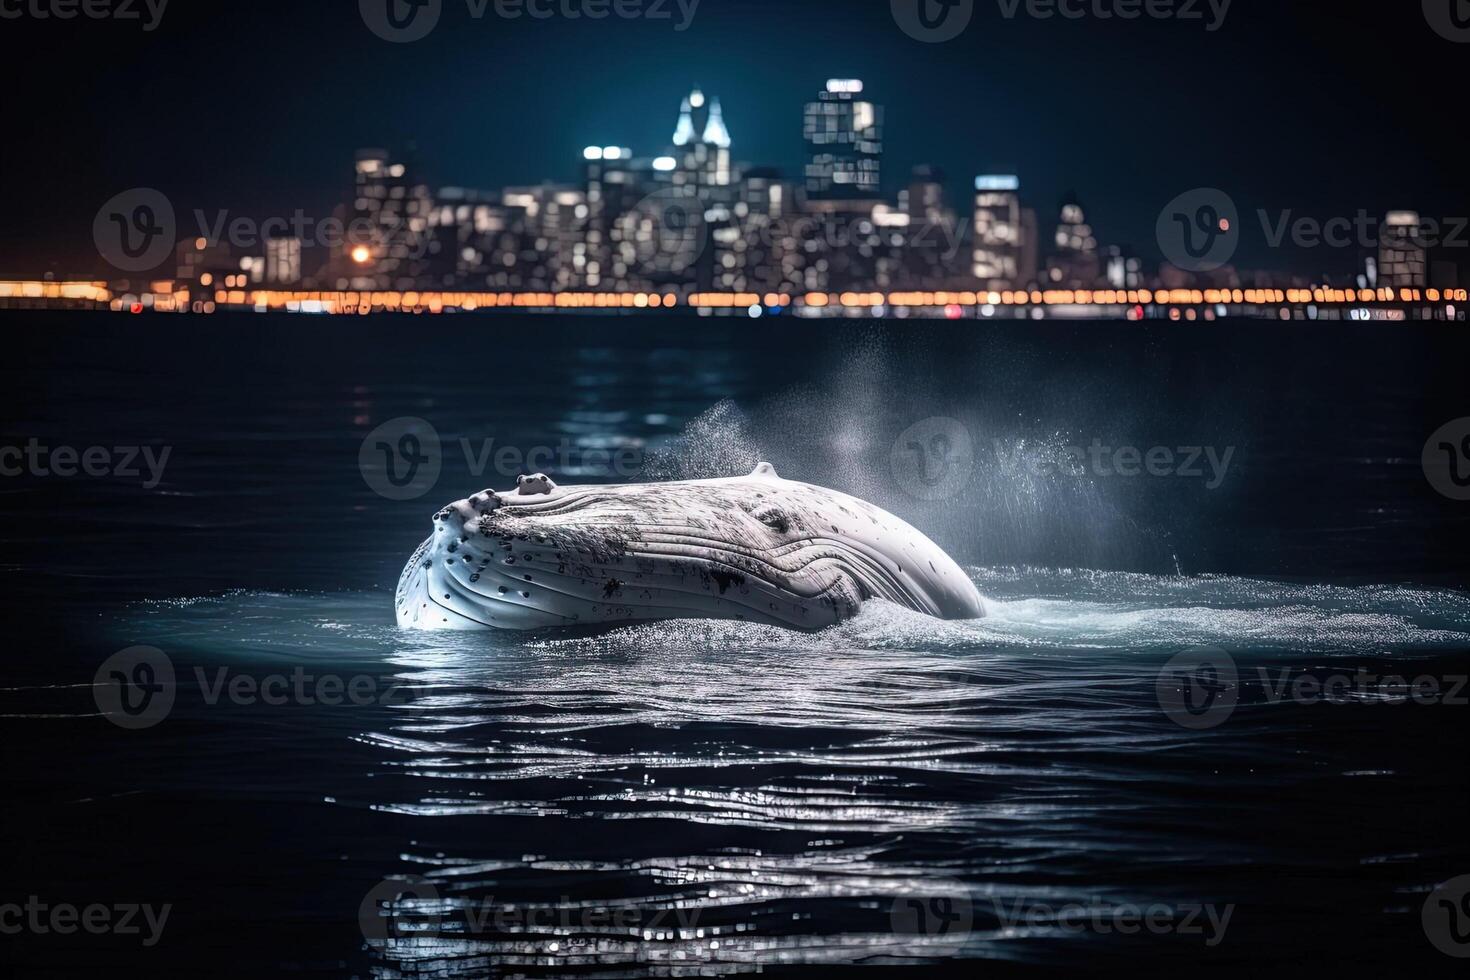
690 225
1176 304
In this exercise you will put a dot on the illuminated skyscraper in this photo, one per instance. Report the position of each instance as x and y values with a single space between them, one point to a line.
1074 262
1123 269
998 232
614 184
760 242
283 260
1401 256
388 242
844 139
932 235
704 157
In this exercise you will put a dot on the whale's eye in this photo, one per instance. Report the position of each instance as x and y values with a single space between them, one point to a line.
773 518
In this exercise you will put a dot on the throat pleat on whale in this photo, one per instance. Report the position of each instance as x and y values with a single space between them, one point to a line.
755 548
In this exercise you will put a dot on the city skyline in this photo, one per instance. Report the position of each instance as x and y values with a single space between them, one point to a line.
1051 99
745 227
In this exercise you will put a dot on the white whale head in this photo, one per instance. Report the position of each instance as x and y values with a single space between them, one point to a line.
755 548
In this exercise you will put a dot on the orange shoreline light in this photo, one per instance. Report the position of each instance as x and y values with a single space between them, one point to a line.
166 297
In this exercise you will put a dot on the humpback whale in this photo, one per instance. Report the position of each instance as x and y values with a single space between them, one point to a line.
756 548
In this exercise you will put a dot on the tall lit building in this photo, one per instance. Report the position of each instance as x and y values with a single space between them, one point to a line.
701 143
923 199
1030 248
615 182
475 239
1402 262
844 141
1122 269
932 234
388 242
283 260
998 236
1074 262
765 254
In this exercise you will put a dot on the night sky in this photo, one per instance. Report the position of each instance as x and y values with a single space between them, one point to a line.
258 107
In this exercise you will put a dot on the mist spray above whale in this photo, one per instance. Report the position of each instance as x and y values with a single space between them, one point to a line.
755 548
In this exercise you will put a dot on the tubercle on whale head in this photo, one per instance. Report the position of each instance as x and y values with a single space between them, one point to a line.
471 508
537 484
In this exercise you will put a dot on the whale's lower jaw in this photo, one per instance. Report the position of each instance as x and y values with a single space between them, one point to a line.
757 548
541 591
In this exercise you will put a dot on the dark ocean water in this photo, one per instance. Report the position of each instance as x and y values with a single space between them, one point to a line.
707 798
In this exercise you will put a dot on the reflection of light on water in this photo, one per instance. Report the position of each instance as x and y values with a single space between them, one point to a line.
793 790
714 909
